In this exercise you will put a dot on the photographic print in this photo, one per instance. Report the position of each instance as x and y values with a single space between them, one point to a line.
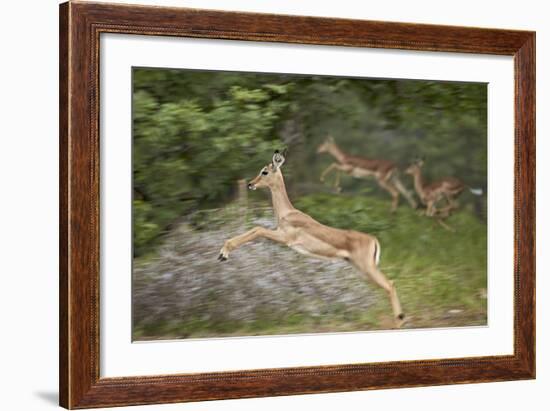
273 204
254 182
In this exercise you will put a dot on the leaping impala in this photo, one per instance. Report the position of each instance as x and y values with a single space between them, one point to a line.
449 188
384 171
302 233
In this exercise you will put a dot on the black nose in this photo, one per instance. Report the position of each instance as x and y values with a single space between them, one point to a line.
249 186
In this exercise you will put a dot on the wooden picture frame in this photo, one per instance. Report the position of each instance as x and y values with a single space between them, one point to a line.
80 27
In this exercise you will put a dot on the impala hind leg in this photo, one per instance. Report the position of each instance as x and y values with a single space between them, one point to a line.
404 192
452 204
370 269
382 281
390 188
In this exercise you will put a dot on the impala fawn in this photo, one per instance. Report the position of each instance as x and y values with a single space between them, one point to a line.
448 188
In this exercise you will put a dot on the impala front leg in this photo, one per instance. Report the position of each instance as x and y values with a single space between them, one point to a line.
328 170
236 242
337 182
431 210
386 185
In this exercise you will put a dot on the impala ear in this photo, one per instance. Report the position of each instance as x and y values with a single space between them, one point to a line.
278 159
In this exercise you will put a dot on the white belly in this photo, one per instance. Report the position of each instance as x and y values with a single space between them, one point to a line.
361 173
302 250
308 253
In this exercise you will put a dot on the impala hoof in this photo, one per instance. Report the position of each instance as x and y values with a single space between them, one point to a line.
221 257
400 320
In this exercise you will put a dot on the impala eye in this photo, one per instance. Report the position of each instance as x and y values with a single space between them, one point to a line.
264 173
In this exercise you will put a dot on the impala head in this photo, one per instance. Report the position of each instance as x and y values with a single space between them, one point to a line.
326 145
270 174
415 167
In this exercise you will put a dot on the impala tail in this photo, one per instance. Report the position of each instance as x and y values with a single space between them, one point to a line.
376 252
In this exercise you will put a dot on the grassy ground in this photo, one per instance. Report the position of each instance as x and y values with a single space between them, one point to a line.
267 289
441 275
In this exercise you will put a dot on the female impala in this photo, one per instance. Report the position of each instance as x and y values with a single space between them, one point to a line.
302 233
449 188
384 171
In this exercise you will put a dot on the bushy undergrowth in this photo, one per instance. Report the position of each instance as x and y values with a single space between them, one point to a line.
435 270
265 288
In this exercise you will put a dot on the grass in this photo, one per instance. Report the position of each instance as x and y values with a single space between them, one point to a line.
293 324
438 273
441 277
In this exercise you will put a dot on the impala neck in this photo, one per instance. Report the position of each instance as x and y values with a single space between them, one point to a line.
338 154
279 197
419 184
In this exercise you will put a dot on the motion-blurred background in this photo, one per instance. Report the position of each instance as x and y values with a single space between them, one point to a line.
196 134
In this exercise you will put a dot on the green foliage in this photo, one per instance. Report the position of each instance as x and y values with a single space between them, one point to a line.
187 154
195 133
348 212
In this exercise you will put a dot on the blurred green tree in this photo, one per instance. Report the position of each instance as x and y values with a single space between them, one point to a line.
189 149
196 132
